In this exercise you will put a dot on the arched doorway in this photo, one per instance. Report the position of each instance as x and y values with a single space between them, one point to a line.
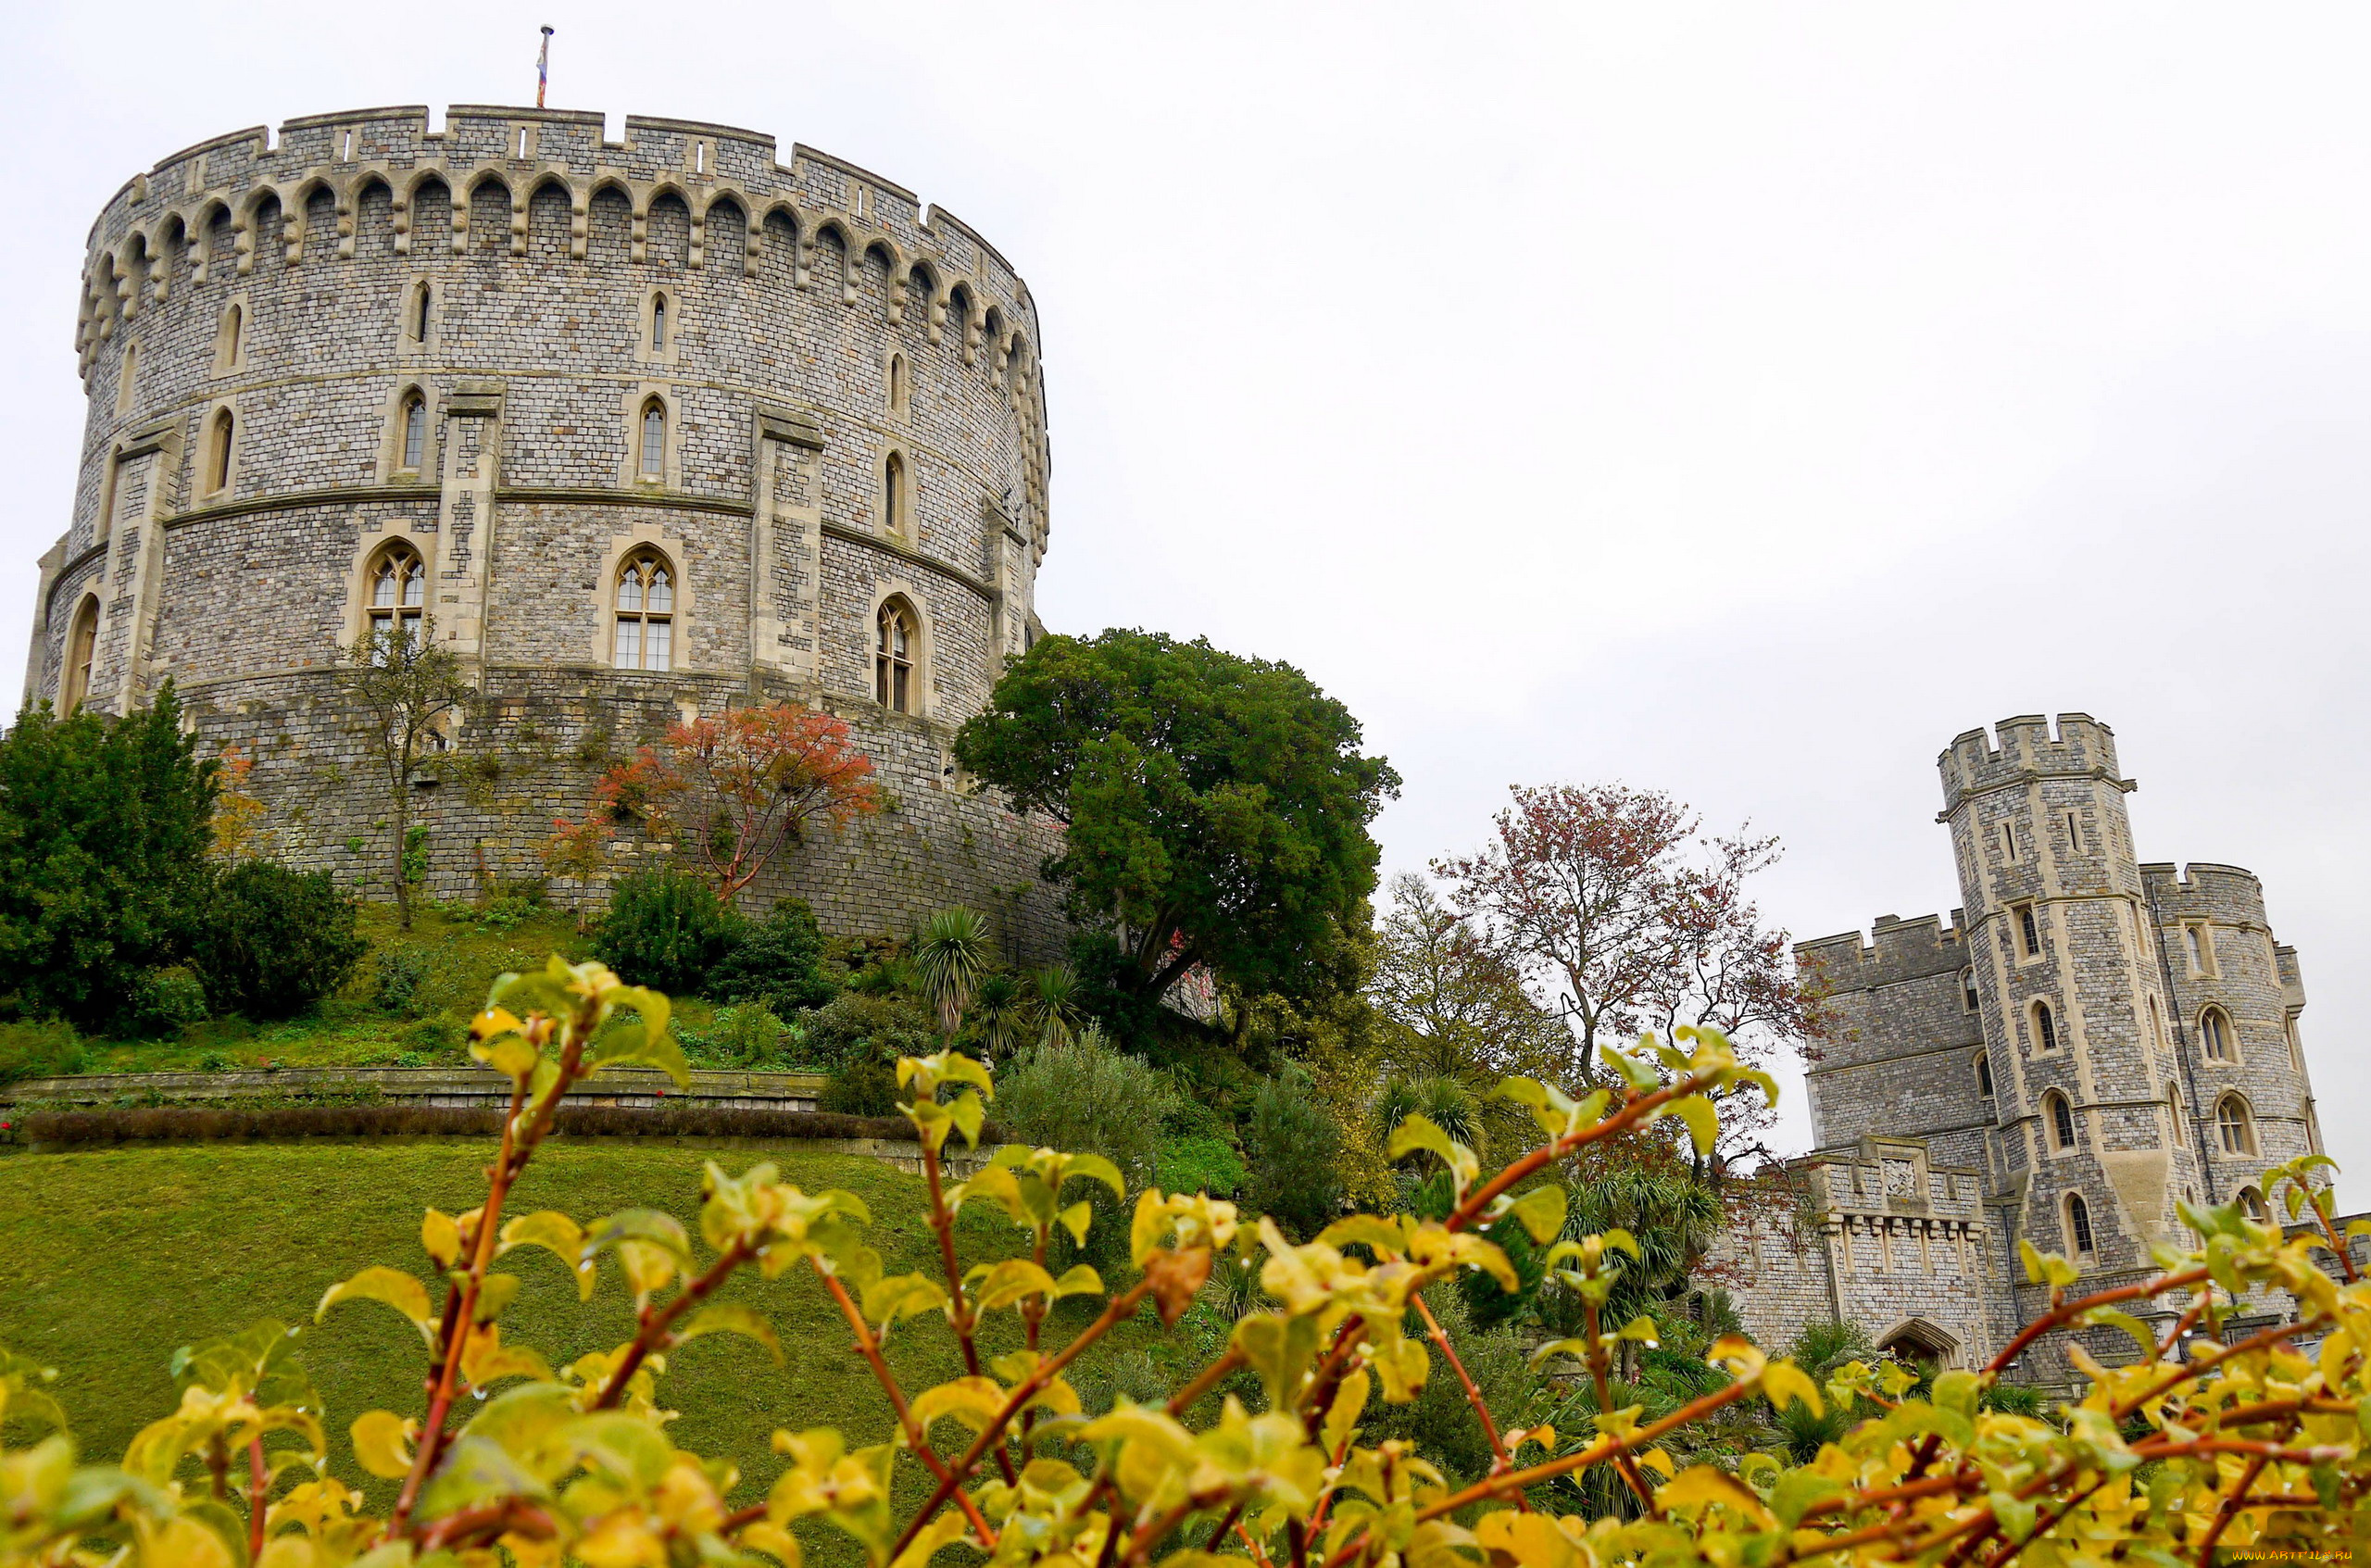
1915 1342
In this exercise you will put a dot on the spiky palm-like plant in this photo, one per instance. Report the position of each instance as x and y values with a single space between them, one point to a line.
1055 1004
1448 1102
1000 1017
952 956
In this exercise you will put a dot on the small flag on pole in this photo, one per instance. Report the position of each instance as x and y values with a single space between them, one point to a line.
543 67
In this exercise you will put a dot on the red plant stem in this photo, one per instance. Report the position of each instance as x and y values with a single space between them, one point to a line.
1595 1454
1117 1310
958 1310
1259 1553
259 1482
497 1518
2009 1550
657 1331
1225 1525
2066 1312
2230 1510
869 1346
1472 1395
520 1136
2208 1362
1600 1377
1634 1108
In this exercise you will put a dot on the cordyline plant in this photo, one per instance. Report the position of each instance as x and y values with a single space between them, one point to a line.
2167 1459
736 787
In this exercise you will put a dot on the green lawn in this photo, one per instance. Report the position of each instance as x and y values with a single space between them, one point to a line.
461 958
110 1260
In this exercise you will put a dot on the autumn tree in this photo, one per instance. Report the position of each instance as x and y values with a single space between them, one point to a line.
1626 917
735 788
1216 806
407 688
237 830
578 851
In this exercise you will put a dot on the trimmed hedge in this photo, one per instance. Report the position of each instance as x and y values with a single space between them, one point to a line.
74 1128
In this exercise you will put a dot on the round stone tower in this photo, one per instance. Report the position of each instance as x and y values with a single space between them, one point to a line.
637 429
2083 1078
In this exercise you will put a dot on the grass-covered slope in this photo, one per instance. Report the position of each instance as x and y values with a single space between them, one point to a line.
110 1261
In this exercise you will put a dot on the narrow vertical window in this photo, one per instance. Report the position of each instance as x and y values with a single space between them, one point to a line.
896 383
225 429
658 322
892 664
893 494
654 439
82 652
2045 1027
421 305
2234 1124
2074 834
2201 955
1967 990
124 378
1984 1075
2062 1121
2214 1034
233 323
2156 1023
2009 842
2028 932
398 597
415 431
2078 1223
645 613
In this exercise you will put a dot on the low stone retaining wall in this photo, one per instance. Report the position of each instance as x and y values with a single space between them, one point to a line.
739 1109
470 1086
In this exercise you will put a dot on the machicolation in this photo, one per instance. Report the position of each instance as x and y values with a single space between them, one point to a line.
646 428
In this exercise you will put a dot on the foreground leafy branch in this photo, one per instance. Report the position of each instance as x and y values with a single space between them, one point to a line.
2187 1446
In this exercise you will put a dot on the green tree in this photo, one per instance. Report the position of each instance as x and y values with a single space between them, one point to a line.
1294 1150
404 686
1216 807
272 942
104 830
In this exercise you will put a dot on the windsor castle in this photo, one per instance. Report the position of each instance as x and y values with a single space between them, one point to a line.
637 429
2091 1039
640 428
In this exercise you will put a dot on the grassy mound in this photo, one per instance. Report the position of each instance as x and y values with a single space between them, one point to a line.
117 1258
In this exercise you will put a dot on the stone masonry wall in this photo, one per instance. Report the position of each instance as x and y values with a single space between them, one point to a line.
259 312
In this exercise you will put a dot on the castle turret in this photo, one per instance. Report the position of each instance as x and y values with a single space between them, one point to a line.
2237 995
637 429
2085 1152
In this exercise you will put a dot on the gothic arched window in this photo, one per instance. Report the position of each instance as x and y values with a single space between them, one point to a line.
415 431
82 652
2235 1124
893 661
2214 1034
2045 1027
1983 1074
2078 1223
423 302
226 428
399 595
897 391
645 608
654 440
2061 1119
659 323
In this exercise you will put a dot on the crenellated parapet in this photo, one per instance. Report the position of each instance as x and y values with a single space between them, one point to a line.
2027 749
1895 950
2230 894
310 195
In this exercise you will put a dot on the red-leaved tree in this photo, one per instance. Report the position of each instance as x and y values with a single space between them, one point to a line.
1611 903
735 788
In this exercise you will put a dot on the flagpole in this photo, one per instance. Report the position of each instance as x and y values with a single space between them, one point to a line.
543 67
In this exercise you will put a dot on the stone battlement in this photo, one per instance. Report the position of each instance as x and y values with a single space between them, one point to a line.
2204 891
2027 749
1896 950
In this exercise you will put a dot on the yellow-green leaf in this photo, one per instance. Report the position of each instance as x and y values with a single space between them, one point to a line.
440 1237
392 1286
1703 1120
383 1443
728 1319
1540 1212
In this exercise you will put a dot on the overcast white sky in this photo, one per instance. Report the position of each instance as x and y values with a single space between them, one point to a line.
1741 400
